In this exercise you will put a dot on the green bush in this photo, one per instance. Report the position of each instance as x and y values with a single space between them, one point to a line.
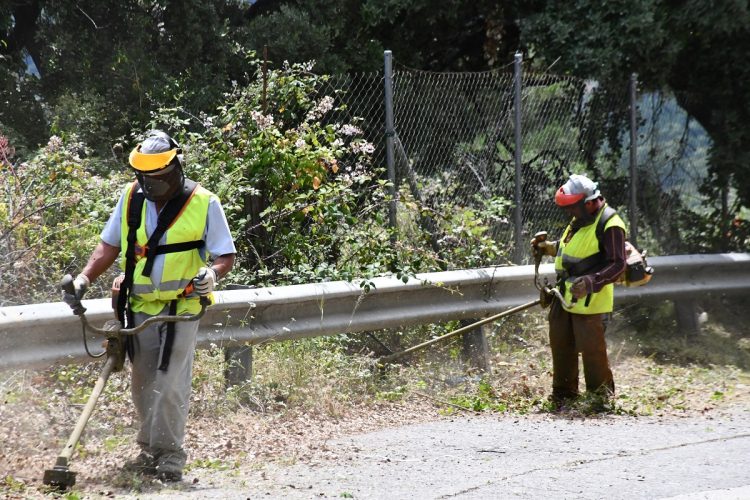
52 208
305 200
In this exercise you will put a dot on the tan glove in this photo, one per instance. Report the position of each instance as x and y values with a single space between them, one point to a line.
543 247
579 288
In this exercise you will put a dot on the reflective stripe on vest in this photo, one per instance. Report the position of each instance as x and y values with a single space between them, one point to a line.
179 267
583 244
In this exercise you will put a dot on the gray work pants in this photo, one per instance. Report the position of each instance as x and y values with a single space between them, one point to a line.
162 397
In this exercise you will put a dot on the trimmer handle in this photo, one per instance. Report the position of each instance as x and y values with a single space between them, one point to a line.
67 284
190 288
69 288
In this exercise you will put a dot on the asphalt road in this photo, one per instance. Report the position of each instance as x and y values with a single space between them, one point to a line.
495 456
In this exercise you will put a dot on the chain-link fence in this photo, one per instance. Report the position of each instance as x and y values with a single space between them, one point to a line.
456 148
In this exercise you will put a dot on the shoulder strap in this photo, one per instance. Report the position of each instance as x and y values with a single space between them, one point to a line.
607 213
169 213
134 209
584 266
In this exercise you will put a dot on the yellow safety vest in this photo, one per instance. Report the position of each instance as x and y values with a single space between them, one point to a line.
179 267
583 244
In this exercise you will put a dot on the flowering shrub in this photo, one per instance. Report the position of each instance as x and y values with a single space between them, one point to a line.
51 211
299 190
303 197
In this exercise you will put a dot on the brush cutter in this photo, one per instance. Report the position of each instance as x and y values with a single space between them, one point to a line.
60 477
546 292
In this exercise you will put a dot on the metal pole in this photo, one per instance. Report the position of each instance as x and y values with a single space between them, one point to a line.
633 208
517 219
389 134
265 77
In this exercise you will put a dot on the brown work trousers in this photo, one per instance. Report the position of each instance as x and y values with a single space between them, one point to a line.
570 334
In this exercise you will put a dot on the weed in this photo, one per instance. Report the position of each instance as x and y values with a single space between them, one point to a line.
13 484
113 443
329 377
212 464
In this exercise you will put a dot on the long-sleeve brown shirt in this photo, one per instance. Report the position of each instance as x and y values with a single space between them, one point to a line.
613 242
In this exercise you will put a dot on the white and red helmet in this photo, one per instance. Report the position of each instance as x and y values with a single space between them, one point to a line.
577 188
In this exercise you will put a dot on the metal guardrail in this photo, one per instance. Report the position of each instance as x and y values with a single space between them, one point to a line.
39 335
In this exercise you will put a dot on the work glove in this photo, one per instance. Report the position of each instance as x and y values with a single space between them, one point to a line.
579 288
205 281
543 247
80 285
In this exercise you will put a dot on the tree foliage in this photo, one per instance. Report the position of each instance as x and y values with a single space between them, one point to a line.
102 66
344 35
90 74
51 212
302 195
99 68
689 48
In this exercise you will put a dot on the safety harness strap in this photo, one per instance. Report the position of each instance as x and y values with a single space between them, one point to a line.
607 214
135 205
169 339
179 247
167 216
124 313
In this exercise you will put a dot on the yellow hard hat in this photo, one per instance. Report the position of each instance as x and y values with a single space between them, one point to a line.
145 162
155 152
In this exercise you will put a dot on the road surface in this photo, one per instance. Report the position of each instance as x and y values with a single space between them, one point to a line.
510 457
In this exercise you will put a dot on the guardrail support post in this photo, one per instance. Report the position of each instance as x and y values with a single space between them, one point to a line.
238 367
238 359
687 317
475 349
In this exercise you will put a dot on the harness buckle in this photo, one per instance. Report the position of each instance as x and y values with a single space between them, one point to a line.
140 251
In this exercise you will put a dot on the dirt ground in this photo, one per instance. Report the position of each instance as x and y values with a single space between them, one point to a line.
690 409
272 455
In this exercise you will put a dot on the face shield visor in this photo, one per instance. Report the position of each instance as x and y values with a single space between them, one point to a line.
161 185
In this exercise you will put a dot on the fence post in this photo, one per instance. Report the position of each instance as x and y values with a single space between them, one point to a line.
517 217
389 134
633 208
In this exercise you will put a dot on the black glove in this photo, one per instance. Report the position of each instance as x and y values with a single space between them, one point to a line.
79 286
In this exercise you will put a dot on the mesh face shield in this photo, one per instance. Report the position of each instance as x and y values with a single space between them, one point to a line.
161 185
157 163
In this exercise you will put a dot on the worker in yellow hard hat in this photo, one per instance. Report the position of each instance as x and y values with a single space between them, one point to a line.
174 245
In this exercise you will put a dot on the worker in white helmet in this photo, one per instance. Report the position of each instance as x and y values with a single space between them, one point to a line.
589 259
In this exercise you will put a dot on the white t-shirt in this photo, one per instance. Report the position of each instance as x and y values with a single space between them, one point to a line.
217 236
